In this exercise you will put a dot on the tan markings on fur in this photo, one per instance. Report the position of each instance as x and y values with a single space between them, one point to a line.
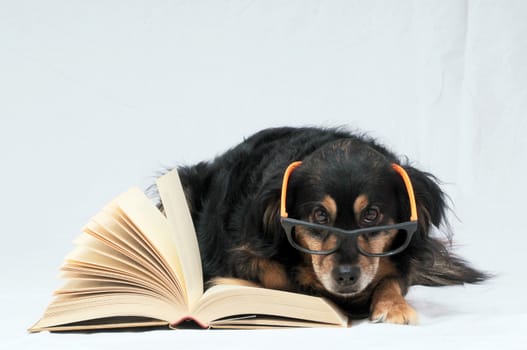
373 269
306 277
269 273
331 206
379 243
305 238
368 268
232 281
388 304
386 269
361 202
272 275
245 249
322 264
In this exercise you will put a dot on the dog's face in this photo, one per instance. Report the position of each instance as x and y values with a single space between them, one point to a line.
347 185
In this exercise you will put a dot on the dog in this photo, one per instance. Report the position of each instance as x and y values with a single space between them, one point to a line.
324 212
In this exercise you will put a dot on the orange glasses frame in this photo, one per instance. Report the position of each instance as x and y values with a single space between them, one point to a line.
289 223
399 169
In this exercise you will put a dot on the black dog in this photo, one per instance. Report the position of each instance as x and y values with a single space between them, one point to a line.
338 235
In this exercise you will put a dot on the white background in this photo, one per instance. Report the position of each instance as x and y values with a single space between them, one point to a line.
97 96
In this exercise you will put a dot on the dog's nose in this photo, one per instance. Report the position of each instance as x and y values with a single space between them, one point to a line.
346 275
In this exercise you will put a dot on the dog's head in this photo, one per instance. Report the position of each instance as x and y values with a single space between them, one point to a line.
347 186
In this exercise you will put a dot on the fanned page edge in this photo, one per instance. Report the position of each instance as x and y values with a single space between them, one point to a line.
183 232
103 326
156 231
138 205
62 314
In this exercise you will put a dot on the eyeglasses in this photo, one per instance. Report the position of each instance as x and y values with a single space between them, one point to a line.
325 239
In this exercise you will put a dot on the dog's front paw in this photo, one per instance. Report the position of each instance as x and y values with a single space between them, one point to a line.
398 312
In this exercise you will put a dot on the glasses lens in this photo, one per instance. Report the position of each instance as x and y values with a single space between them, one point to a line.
314 240
383 242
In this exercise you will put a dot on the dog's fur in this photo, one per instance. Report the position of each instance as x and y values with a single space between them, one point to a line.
234 201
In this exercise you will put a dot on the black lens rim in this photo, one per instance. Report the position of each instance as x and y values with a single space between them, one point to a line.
409 226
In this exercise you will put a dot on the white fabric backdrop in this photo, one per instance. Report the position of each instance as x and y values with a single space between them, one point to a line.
96 96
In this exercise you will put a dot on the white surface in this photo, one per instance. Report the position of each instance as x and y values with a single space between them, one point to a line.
97 96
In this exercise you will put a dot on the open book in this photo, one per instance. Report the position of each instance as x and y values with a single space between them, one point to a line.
133 266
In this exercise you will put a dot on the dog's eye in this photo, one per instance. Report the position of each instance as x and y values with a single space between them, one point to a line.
369 216
320 216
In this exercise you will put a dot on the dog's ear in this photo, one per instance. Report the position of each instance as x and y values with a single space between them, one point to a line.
262 216
271 216
430 199
430 262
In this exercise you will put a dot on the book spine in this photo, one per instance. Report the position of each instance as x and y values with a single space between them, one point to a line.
188 322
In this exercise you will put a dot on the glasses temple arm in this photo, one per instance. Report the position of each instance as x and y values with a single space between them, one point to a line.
409 188
285 181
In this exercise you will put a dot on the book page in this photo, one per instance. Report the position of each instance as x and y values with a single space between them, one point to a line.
231 301
93 260
267 322
105 242
183 233
65 310
155 231
124 264
107 323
